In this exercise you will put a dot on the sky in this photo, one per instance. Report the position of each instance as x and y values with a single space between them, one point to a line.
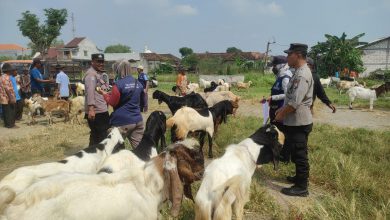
205 25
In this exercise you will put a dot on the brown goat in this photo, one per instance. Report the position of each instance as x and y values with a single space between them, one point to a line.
51 106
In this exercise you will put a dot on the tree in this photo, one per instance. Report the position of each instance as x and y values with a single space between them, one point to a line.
185 51
117 48
190 61
338 53
233 50
42 35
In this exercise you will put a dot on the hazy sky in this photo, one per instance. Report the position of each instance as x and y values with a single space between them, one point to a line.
205 25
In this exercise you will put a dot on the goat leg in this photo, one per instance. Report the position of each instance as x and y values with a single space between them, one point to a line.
163 143
210 146
202 136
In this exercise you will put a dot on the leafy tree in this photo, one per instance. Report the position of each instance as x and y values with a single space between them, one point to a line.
190 61
42 35
233 50
185 51
338 53
117 48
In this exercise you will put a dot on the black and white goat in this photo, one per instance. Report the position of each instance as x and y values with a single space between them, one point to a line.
227 180
206 120
135 193
212 88
154 133
174 103
88 160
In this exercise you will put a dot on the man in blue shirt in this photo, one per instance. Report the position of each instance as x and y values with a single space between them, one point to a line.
63 83
37 78
19 101
143 79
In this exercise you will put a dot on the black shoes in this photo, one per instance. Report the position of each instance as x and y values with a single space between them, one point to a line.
296 191
291 179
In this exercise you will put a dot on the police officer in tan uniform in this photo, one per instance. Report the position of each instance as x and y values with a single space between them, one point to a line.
297 118
96 110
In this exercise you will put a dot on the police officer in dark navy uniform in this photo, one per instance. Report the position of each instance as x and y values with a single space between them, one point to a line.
283 75
297 118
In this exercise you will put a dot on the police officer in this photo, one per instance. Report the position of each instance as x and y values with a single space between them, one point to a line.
95 106
283 75
297 118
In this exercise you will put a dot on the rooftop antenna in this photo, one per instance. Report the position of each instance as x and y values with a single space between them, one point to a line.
73 26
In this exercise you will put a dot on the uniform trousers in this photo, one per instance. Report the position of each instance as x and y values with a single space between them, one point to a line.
99 127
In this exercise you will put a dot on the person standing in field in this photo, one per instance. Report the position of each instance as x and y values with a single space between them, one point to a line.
297 118
25 84
7 96
19 102
95 106
181 82
143 79
63 83
36 77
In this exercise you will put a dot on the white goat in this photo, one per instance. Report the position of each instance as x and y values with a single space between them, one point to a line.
192 87
345 85
88 160
204 83
213 98
80 89
326 82
77 107
134 193
227 180
363 93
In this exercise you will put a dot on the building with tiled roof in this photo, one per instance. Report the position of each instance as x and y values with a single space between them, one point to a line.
79 48
13 50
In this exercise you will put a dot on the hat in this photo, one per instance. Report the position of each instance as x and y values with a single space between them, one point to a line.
58 66
36 60
7 68
279 60
140 67
310 61
297 47
97 56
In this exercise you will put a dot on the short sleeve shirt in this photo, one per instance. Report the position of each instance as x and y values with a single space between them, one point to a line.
63 80
36 74
299 95
92 80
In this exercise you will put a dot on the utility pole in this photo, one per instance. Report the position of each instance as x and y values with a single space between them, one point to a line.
266 54
73 26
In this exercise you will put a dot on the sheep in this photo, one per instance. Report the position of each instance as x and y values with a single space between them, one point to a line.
345 85
129 194
77 107
85 161
204 83
325 82
212 88
80 89
207 120
242 85
174 103
363 93
192 87
227 180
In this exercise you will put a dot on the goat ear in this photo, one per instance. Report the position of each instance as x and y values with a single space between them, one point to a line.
173 185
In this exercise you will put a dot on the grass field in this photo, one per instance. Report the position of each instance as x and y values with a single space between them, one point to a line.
349 177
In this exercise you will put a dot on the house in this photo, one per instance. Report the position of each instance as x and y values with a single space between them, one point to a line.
376 55
152 60
13 50
80 48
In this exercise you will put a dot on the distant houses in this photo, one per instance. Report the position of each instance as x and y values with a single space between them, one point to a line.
376 55
13 50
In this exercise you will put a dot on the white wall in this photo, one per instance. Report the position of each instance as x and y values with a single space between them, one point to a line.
85 45
376 56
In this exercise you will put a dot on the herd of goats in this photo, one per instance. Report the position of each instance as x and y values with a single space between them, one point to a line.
107 181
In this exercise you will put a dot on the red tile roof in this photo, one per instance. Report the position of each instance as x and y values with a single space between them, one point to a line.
169 57
74 43
11 47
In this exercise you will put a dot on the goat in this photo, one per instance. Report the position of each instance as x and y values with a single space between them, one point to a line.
128 194
204 83
85 161
227 180
215 97
206 120
80 89
325 82
212 88
154 131
345 85
242 85
48 107
174 103
77 107
363 93
192 87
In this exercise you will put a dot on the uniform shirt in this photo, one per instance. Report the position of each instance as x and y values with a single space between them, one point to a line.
63 80
92 80
15 87
143 78
286 74
36 74
300 96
